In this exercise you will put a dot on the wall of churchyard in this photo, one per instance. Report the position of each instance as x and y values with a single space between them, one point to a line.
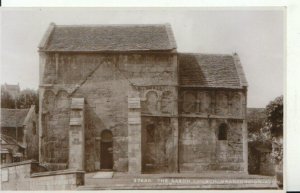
104 80
29 175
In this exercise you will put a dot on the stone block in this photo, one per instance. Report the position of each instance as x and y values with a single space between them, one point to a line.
77 103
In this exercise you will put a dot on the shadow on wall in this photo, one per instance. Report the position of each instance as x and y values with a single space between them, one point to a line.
93 128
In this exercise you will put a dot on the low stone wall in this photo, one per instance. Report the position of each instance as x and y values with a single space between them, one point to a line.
22 176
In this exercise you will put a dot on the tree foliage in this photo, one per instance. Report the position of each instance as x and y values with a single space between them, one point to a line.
275 124
269 128
274 121
257 132
24 100
27 98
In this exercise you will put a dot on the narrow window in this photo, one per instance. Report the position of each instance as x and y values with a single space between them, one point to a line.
34 128
222 132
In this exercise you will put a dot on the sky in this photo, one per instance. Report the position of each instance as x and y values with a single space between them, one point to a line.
257 36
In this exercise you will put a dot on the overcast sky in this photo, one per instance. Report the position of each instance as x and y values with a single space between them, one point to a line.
256 35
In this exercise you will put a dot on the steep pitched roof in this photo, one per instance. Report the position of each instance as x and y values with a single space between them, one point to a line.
211 70
13 117
101 38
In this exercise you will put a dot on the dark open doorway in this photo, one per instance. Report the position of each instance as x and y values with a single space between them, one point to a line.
106 150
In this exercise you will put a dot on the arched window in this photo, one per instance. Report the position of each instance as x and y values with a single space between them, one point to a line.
222 132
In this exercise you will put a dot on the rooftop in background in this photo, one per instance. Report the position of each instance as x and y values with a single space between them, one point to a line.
211 70
14 117
101 38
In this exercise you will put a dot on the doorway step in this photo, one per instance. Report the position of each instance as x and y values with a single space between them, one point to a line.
102 175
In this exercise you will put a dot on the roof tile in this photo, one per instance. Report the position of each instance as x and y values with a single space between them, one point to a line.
109 38
13 117
209 70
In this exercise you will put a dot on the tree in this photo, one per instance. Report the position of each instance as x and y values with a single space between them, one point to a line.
7 100
257 132
27 98
274 123
275 117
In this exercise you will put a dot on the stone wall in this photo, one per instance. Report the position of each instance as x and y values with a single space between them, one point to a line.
55 118
103 80
201 150
157 144
260 159
267 167
22 176
218 102
202 112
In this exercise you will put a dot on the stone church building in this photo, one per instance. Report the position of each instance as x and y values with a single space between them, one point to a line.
121 98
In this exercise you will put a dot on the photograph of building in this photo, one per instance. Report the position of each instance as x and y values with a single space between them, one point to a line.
120 105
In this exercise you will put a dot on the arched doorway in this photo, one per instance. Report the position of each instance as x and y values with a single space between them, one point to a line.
106 156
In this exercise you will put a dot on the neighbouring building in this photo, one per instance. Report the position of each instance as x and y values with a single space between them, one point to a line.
12 89
19 135
121 97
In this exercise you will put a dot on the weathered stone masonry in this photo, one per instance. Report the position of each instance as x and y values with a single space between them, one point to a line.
166 112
